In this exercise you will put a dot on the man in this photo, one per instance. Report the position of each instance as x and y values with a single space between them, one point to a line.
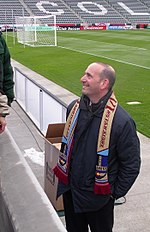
100 157
6 72
4 110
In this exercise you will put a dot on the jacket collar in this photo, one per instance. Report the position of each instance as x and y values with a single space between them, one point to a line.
97 108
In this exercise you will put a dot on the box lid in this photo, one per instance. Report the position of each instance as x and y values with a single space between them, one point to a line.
55 130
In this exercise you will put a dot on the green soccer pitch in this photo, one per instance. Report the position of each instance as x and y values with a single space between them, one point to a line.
128 51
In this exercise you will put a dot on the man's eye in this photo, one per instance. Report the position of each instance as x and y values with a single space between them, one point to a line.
88 75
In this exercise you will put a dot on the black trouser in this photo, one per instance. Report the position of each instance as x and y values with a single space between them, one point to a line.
98 221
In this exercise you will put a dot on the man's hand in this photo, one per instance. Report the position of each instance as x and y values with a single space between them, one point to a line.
2 124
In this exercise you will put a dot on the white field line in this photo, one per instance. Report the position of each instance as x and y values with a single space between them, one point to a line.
120 61
110 44
123 45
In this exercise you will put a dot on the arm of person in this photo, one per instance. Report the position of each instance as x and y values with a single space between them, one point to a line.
128 154
8 83
2 124
4 111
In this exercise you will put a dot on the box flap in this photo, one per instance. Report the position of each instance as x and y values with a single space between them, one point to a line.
55 130
54 140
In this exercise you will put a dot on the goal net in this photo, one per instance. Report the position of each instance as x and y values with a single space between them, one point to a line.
37 30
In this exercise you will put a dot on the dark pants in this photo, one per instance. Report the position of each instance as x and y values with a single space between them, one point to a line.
98 221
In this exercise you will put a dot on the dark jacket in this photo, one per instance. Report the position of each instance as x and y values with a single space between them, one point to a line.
123 159
6 71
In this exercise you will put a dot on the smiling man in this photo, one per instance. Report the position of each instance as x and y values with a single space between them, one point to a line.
100 153
95 87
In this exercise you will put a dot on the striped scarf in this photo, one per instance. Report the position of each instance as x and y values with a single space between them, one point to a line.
101 185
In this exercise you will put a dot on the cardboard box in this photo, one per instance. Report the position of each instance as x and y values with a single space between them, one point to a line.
52 147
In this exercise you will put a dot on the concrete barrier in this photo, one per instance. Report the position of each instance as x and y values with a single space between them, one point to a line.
23 204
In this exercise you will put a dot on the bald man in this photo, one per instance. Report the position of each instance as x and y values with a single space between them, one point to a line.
100 153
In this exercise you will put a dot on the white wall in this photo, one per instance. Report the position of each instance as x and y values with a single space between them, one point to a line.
42 100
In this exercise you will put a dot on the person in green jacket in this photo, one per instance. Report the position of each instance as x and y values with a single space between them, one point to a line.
6 71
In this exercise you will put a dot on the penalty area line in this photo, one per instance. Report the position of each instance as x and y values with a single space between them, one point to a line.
120 61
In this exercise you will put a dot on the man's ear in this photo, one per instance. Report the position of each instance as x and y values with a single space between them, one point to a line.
104 84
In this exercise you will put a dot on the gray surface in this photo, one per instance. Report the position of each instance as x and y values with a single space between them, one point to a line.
134 215
5 222
26 136
28 205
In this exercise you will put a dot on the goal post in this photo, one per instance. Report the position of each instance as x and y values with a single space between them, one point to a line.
37 31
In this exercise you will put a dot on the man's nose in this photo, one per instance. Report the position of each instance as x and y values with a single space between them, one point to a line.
83 78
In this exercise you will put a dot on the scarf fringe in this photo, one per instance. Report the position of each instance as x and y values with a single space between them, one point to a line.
61 175
102 189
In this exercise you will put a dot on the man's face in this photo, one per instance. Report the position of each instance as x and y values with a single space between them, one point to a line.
91 82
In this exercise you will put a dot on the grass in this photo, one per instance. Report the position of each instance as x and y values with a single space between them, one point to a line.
127 51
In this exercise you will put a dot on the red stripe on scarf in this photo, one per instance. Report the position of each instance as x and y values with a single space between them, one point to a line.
61 175
102 188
